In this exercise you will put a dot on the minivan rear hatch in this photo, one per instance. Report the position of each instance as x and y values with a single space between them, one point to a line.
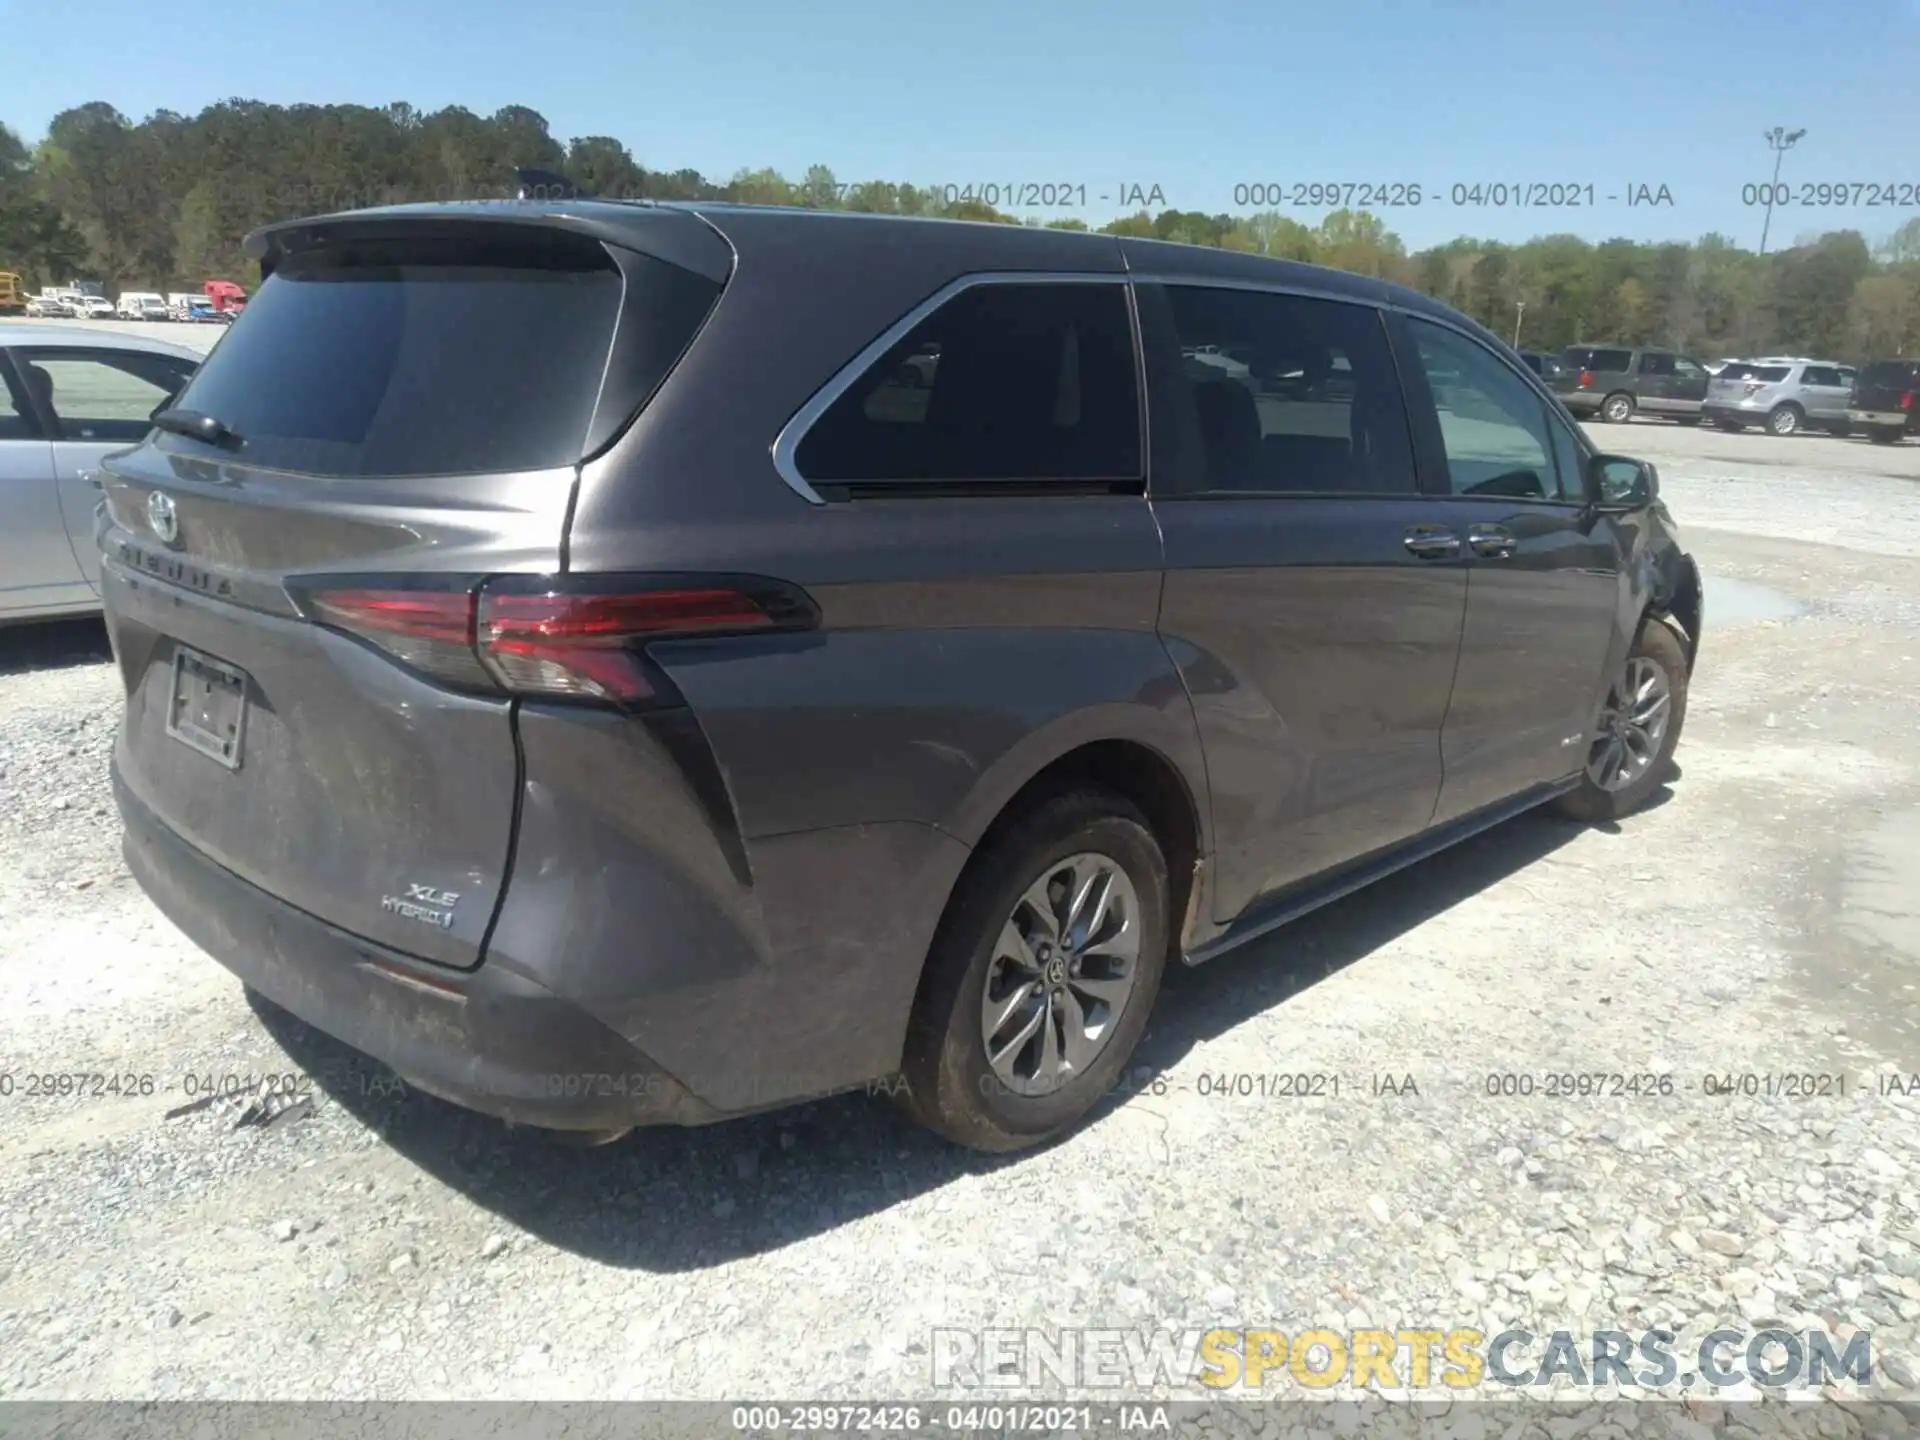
401 412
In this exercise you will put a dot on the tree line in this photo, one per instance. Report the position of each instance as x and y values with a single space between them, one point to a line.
163 203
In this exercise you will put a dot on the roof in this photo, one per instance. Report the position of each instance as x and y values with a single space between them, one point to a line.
74 336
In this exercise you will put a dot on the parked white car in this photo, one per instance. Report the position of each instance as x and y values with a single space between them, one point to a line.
93 307
68 397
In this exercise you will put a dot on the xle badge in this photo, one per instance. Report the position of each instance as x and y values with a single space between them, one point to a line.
423 903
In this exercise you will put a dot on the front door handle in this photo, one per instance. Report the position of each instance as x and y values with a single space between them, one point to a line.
1433 542
1495 542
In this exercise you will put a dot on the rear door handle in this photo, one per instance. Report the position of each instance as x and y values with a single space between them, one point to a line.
1495 542
1433 542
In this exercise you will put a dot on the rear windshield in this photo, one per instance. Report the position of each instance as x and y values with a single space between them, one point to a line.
427 357
1743 370
1889 372
1586 357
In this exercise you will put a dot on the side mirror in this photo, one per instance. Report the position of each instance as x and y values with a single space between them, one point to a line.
1623 483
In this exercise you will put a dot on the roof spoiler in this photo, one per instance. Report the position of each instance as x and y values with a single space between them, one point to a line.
676 236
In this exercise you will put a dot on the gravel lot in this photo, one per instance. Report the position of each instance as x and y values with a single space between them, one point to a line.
1763 919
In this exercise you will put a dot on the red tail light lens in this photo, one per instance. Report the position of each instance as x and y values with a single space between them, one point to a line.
567 637
1906 400
1586 379
585 645
429 630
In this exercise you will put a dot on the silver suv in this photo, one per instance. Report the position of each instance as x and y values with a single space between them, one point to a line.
1785 393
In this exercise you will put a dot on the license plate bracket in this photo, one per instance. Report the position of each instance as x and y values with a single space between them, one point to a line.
207 708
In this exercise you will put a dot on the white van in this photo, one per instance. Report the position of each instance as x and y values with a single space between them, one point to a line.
134 304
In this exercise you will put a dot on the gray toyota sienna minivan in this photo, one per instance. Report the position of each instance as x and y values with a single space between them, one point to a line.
624 663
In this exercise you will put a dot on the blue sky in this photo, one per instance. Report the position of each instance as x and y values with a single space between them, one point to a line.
1194 98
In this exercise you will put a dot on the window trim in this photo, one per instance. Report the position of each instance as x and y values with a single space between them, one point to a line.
1551 411
787 443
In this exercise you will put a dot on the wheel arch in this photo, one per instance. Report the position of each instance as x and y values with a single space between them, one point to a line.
1161 774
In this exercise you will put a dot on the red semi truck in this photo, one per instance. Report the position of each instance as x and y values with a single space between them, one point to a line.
226 296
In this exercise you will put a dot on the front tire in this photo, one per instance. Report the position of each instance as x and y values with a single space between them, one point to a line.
1638 727
1041 976
1617 409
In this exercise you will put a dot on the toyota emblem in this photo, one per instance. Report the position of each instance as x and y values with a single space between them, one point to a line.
160 515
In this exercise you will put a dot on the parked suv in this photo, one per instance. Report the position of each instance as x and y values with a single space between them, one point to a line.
1882 400
713 715
1615 382
1785 395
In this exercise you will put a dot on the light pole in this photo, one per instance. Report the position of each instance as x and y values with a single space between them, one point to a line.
1780 140
1519 313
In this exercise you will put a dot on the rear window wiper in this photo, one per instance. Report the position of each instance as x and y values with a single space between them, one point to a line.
196 426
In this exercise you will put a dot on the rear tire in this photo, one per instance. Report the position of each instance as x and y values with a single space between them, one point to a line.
1785 420
996 945
1886 435
1605 793
1617 408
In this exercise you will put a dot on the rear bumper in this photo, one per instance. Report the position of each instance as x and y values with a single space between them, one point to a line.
1582 402
1744 414
1890 419
491 1039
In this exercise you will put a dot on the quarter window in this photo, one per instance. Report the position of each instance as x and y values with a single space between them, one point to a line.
1493 425
1290 395
1006 381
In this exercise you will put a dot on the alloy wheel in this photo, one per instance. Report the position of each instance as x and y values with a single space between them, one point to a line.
1632 726
1783 422
1062 971
1618 409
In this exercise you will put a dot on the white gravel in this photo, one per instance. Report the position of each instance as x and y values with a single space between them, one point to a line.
1764 919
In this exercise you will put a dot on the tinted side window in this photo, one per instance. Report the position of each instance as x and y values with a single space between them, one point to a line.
102 394
1820 375
1290 394
1653 363
1492 423
1588 357
1688 369
1003 382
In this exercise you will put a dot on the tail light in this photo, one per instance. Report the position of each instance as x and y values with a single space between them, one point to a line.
1586 379
1906 400
560 637
1754 387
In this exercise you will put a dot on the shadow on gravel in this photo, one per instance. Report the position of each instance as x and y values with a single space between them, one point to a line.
53 645
669 1200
